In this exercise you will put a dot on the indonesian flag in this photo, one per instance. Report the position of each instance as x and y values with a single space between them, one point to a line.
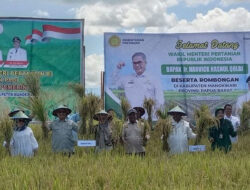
50 31
34 37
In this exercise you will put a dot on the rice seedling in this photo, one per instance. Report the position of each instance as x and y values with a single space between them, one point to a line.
204 120
148 104
125 106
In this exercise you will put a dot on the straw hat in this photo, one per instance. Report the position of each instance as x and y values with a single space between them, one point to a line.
102 112
21 115
140 109
131 111
61 107
14 111
176 109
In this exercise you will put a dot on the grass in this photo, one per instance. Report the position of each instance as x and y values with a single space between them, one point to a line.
114 170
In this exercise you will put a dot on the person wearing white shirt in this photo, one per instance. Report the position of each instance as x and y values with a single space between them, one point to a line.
181 132
17 53
140 84
23 142
235 120
243 98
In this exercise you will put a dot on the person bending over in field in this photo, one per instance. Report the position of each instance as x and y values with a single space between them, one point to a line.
178 138
64 131
133 135
23 142
219 136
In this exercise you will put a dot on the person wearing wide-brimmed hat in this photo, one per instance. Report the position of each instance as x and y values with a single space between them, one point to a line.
14 111
140 112
132 135
64 131
219 136
181 132
23 142
103 132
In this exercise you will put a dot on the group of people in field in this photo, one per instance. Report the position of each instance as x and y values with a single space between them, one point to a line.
134 134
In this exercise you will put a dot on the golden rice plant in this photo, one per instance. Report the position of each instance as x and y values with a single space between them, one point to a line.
38 109
125 106
204 120
93 104
6 128
32 82
148 104
145 130
245 117
116 127
36 102
83 112
165 124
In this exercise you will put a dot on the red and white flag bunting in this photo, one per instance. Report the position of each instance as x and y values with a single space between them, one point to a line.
50 31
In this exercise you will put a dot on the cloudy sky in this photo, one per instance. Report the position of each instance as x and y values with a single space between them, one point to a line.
146 16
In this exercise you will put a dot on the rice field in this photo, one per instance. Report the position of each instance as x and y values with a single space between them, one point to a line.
115 170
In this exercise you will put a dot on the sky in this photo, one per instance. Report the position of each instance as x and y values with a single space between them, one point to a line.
136 16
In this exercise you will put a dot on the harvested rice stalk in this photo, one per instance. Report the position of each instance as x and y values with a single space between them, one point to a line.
6 128
245 117
204 120
165 124
78 89
125 106
148 104
32 81
93 104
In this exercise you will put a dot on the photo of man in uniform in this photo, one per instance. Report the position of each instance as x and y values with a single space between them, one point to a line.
243 98
17 53
139 84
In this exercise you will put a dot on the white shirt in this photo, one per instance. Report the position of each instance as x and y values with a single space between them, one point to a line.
178 138
23 143
18 54
137 87
236 123
240 100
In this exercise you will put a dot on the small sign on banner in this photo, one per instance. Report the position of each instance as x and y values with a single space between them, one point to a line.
86 143
197 148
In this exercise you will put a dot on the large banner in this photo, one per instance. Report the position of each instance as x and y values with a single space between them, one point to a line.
185 69
53 49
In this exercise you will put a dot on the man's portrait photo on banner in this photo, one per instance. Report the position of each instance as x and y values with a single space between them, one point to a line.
140 83
17 56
